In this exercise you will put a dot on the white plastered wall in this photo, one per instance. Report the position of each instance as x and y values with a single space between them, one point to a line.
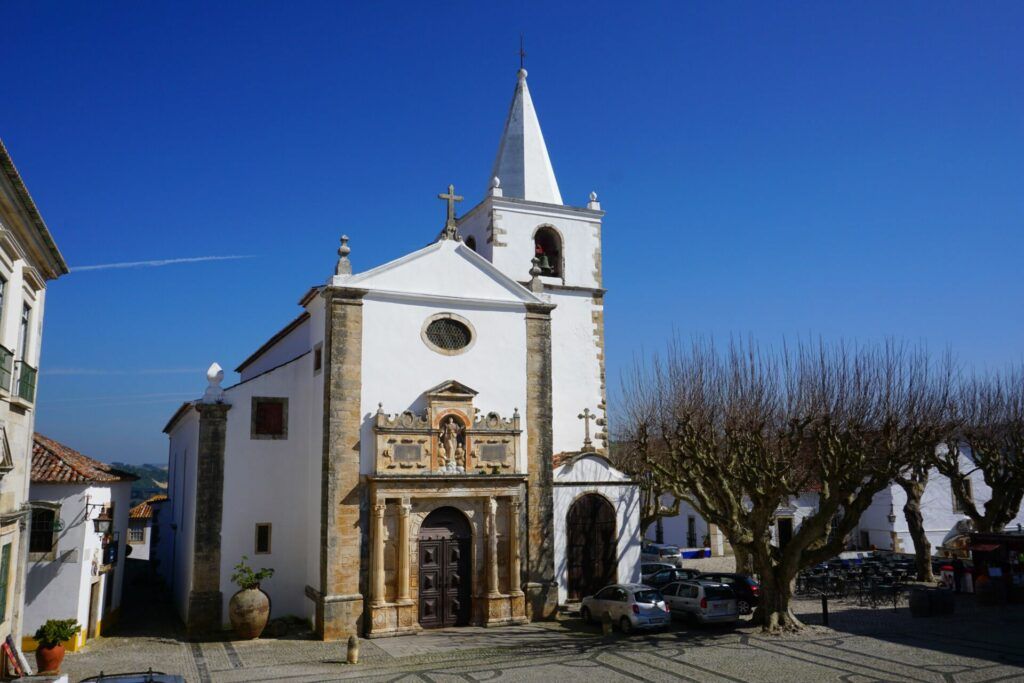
177 553
594 475
398 366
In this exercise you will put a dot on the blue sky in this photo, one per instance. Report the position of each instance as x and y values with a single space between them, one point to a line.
775 170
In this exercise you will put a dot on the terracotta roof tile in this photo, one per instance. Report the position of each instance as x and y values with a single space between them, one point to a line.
55 463
144 510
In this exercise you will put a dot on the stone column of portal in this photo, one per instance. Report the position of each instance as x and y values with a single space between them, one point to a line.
514 586
403 551
491 523
377 550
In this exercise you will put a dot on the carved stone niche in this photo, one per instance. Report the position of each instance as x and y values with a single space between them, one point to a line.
448 438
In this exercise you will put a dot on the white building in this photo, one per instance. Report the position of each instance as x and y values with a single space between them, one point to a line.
143 528
77 541
389 453
28 259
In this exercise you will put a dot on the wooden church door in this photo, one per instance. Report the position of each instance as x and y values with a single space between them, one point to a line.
444 569
592 555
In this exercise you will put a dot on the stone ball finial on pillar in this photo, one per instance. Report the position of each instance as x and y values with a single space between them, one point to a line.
344 266
214 376
496 190
536 286
593 203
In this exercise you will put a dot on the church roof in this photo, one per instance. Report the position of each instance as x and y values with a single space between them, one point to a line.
445 269
523 165
55 463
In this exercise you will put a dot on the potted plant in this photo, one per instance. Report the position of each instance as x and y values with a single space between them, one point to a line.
249 608
50 636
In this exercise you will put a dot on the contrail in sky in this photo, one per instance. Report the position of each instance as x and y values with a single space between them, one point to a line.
157 263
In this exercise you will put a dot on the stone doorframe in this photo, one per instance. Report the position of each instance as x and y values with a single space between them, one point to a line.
399 504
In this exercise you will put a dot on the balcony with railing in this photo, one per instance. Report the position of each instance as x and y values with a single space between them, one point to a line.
6 368
25 382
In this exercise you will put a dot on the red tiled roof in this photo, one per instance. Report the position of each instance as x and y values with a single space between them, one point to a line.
55 463
144 510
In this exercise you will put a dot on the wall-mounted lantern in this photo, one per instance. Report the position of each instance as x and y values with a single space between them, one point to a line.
892 514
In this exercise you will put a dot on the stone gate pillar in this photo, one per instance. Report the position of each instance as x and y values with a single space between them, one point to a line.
541 588
205 599
342 526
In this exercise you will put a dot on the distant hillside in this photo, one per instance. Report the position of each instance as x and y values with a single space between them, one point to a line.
152 480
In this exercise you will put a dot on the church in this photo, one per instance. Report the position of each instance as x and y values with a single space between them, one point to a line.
425 444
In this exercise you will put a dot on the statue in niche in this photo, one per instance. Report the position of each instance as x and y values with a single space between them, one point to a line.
451 450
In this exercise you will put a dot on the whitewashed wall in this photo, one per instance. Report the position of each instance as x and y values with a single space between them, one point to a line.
398 366
140 551
176 567
60 589
594 475
263 480
291 345
575 369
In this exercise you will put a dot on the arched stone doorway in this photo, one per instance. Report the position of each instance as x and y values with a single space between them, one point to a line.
592 554
444 569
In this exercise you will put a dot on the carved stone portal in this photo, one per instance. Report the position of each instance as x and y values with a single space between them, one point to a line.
449 438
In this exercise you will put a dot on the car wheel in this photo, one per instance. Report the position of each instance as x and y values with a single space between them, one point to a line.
585 615
743 606
625 625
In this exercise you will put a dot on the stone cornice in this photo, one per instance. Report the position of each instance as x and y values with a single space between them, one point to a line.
527 206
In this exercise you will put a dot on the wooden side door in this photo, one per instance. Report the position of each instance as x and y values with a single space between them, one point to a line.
456 599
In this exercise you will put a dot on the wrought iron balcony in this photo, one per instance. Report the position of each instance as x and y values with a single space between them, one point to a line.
25 388
6 368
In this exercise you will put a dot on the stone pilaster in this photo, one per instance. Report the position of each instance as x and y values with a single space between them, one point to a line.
541 589
404 510
377 555
514 579
205 598
342 526
491 527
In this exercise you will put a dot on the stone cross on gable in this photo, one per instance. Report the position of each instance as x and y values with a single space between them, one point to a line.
451 231
587 416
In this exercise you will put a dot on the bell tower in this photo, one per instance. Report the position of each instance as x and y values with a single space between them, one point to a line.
522 222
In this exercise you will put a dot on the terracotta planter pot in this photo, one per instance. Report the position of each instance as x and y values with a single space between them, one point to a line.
249 611
48 659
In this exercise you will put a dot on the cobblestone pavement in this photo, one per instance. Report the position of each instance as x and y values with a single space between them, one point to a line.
976 645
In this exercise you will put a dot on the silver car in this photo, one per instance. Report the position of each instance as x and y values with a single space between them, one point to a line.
705 601
630 605
660 552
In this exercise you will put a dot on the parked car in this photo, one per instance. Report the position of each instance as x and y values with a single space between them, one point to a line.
705 601
648 569
660 552
747 590
663 577
630 605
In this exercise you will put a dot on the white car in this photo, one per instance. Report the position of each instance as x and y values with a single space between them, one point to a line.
660 552
705 601
630 606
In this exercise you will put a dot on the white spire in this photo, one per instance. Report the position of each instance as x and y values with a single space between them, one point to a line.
523 164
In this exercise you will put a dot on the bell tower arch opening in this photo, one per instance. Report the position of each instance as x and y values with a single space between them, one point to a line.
547 248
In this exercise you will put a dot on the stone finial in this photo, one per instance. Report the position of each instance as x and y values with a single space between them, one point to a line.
214 376
344 266
593 203
536 286
521 75
496 190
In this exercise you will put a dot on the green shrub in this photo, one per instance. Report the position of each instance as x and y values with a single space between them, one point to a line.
246 578
56 631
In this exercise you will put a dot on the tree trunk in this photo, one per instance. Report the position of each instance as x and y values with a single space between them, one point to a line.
743 560
773 610
915 521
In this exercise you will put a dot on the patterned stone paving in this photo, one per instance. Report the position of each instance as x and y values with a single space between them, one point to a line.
975 646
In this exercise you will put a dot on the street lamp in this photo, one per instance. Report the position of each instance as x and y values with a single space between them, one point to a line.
892 514
103 522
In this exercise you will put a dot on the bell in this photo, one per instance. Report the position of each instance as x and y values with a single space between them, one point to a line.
543 263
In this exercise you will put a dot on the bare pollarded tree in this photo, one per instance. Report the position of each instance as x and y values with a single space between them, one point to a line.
989 439
743 431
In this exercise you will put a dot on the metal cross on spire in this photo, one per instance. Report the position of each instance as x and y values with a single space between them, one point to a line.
587 416
522 53
451 230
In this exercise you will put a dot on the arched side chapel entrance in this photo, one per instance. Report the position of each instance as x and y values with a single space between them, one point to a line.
592 553
445 573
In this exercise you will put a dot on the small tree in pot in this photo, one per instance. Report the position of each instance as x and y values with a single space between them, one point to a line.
51 636
249 608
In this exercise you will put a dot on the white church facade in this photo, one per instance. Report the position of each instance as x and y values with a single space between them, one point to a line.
399 453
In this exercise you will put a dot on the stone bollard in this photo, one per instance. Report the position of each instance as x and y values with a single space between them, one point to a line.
606 624
353 650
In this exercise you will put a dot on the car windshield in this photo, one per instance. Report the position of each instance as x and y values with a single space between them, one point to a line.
648 596
668 550
718 593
